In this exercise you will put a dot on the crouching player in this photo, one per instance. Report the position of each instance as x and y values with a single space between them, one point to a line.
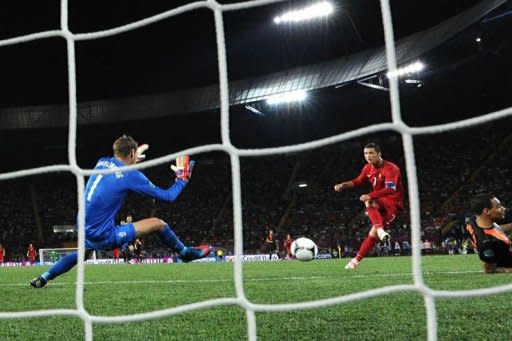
489 238
104 195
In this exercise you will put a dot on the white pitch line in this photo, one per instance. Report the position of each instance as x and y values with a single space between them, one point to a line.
172 281
185 281
405 274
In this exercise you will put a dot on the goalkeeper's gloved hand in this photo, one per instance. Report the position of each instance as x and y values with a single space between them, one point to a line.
183 167
140 152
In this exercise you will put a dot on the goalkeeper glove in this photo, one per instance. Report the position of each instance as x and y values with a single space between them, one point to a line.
140 152
183 167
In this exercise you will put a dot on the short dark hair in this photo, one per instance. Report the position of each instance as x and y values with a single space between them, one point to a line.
374 146
481 201
124 145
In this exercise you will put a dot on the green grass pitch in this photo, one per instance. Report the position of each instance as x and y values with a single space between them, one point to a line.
126 289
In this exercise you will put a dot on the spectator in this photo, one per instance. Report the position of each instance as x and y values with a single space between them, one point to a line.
397 249
406 247
427 247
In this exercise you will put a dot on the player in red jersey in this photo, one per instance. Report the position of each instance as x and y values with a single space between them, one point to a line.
2 254
115 254
288 246
383 203
31 253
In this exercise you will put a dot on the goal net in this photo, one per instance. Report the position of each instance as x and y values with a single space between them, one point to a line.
241 299
51 256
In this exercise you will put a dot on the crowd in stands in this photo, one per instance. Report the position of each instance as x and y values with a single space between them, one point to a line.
450 168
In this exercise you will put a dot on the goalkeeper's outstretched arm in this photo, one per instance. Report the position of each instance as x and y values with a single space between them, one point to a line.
139 183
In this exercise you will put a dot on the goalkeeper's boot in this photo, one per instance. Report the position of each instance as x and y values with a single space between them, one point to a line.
352 265
38 282
191 253
383 235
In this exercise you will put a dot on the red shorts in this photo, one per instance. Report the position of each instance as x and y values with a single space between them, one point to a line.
389 209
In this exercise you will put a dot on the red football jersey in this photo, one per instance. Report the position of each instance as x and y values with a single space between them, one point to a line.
288 244
386 182
31 253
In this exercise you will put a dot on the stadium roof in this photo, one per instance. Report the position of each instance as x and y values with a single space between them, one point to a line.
308 77
181 69
124 80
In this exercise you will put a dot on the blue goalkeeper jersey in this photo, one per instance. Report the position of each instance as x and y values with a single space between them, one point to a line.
105 193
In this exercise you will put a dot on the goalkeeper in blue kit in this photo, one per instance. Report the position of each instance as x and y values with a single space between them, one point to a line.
104 195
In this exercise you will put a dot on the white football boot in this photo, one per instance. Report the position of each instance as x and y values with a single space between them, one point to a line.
383 235
352 264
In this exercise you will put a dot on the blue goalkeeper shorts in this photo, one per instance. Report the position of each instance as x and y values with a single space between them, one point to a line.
119 236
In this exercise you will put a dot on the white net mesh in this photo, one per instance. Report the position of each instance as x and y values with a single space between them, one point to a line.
397 125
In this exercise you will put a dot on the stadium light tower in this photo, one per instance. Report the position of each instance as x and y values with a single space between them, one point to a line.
407 70
318 10
287 97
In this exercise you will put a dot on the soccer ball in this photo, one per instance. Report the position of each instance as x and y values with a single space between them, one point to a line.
304 249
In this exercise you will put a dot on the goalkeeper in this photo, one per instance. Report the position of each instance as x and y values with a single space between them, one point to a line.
104 195
493 245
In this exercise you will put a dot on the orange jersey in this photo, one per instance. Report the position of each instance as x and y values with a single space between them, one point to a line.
489 232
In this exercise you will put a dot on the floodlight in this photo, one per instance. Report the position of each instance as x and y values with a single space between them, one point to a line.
254 110
406 70
418 82
287 97
321 9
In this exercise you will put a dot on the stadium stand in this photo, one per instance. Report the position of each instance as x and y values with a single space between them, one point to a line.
450 168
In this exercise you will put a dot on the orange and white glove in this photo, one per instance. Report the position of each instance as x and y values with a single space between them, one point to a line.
183 168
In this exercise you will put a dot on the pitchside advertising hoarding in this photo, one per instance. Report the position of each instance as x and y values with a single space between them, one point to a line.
228 259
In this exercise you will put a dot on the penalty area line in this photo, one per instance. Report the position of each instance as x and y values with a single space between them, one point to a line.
172 281
256 279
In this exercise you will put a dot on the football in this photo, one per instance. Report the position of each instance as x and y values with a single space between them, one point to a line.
304 249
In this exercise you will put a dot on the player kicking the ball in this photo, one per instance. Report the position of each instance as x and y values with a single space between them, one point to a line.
104 195
383 203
